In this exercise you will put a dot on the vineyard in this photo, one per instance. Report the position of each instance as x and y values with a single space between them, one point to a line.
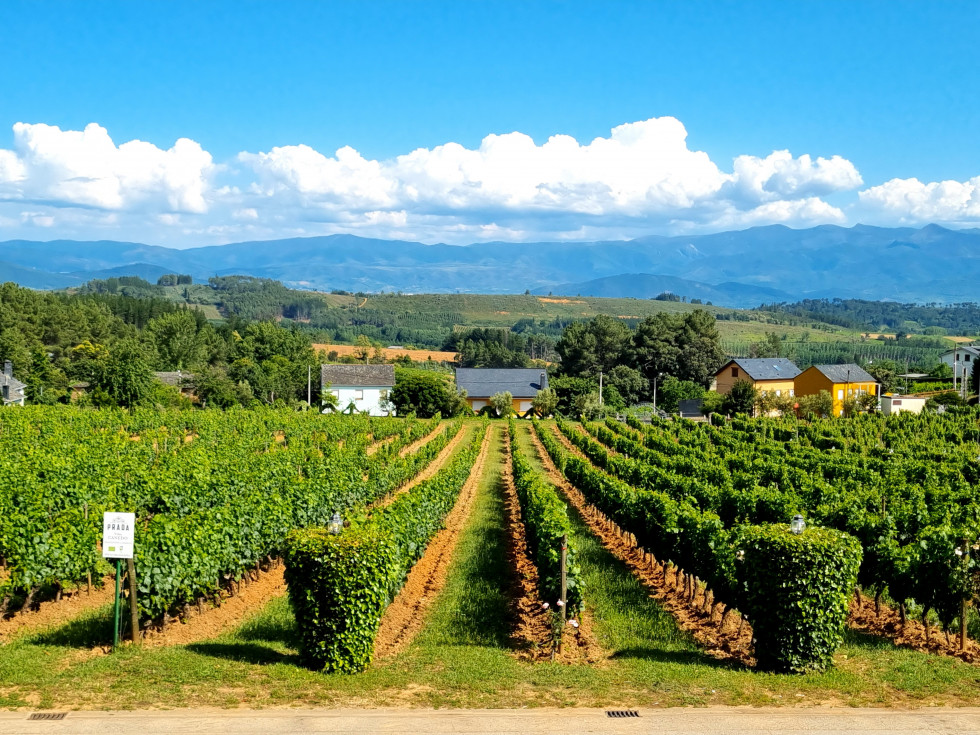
596 560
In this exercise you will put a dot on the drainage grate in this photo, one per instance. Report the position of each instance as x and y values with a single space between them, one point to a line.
622 713
47 716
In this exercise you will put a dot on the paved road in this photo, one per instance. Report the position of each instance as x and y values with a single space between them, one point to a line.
727 720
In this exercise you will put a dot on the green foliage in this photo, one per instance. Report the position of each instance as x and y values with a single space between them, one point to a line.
740 399
671 391
586 348
424 393
339 586
214 492
796 591
502 403
545 403
545 517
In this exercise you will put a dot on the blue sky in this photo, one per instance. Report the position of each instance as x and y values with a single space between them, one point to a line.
265 94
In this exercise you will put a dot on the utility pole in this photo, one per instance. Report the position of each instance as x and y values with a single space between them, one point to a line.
600 387
309 386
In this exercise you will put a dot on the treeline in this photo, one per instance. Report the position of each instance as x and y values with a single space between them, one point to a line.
104 347
675 354
874 316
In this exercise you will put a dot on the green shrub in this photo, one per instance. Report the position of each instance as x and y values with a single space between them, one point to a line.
795 590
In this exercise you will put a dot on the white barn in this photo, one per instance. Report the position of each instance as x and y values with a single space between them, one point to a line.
363 386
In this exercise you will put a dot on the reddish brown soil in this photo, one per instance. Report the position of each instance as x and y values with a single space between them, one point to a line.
532 622
50 614
419 443
202 624
406 614
430 469
723 638
888 624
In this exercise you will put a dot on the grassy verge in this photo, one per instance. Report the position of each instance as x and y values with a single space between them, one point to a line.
462 658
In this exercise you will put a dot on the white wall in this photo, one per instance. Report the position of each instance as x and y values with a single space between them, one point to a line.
896 404
364 398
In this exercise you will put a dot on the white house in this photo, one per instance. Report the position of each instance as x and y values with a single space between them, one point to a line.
961 359
893 404
363 386
11 389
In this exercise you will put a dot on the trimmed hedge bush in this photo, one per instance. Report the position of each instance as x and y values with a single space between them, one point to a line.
545 518
339 586
795 592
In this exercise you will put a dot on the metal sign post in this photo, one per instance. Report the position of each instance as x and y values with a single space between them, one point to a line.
118 530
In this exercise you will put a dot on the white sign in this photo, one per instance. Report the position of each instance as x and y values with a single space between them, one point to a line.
117 535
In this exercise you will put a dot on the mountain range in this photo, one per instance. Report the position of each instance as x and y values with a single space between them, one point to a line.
736 268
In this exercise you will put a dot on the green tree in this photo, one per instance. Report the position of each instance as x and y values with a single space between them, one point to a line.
700 348
742 398
125 378
671 391
502 403
885 372
770 346
178 341
545 403
569 389
629 382
586 348
424 393
818 405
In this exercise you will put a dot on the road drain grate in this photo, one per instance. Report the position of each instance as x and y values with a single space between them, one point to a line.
622 713
47 716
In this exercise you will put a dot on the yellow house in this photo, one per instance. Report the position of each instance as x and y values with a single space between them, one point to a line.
767 374
841 381
481 383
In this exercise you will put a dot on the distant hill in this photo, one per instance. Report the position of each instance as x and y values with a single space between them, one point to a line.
931 263
646 286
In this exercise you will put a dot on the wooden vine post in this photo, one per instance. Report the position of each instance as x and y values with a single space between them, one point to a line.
564 589
134 614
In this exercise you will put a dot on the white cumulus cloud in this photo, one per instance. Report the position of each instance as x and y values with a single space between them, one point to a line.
910 201
86 168
643 177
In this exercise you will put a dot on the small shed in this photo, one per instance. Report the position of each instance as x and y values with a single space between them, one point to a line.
894 404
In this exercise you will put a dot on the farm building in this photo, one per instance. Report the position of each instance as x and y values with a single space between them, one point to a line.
11 389
771 374
841 381
481 383
962 360
892 404
362 386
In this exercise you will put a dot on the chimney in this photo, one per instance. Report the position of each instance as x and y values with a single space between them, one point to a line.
543 381
8 368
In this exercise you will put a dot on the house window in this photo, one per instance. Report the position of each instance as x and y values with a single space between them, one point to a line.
734 372
779 392
792 392
966 358
359 395
840 394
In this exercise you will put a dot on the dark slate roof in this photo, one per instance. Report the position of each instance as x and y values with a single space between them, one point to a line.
484 382
178 378
357 376
767 368
848 372
16 387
